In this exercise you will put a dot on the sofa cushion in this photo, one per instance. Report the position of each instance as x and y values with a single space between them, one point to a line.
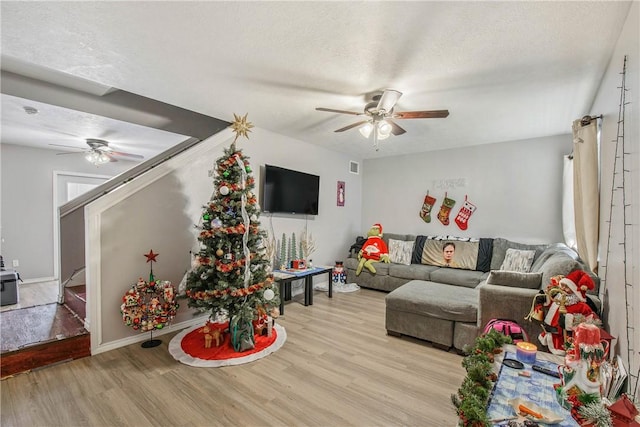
518 260
501 245
435 300
515 279
412 272
550 251
382 268
558 264
452 276
400 251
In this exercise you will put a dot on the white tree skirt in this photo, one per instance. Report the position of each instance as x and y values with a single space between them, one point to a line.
175 349
337 287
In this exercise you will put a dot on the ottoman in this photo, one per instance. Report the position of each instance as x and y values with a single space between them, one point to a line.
430 311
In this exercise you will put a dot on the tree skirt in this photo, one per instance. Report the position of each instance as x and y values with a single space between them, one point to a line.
337 287
188 347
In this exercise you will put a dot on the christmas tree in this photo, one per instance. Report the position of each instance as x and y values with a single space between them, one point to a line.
230 274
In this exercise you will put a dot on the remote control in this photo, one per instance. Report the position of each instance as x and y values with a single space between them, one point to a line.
546 371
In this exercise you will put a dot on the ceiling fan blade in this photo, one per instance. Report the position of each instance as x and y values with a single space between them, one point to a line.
66 146
433 114
351 126
119 153
331 110
388 100
395 129
75 152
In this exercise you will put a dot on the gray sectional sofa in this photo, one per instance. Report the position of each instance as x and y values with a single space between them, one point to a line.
448 306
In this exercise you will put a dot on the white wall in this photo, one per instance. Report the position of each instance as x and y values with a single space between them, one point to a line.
26 198
159 210
516 187
622 305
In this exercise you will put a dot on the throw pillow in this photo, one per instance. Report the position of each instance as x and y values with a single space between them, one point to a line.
447 253
501 245
515 279
400 251
518 260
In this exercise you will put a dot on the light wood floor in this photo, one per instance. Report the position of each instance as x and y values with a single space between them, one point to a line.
33 294
337 368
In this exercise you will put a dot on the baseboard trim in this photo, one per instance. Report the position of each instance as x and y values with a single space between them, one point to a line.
112 345
37 280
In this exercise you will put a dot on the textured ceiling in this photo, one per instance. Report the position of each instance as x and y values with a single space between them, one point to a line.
505 70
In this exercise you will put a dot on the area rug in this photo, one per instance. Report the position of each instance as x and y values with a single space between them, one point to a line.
188 347
33 325
347 287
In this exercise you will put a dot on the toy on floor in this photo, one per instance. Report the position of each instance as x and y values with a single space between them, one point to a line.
373 250
212 334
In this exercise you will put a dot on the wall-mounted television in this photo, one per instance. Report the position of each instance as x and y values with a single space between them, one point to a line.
289 191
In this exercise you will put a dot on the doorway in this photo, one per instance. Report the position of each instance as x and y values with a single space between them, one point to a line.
66 187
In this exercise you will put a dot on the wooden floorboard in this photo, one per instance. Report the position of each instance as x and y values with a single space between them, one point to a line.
337 368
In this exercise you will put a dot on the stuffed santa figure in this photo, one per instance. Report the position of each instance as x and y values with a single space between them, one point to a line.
373 250
575 286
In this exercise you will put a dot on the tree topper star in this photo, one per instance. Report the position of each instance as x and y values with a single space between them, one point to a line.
151 257
240 126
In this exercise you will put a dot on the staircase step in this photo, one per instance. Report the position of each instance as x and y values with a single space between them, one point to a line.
45 354
40 336
75 298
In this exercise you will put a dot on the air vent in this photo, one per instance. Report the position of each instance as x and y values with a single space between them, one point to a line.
354 167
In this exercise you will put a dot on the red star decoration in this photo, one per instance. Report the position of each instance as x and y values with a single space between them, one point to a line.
151 257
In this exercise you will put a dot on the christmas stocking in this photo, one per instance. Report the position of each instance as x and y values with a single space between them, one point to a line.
467 209
425 212
445 210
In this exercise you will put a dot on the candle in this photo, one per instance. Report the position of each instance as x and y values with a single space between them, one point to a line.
526 352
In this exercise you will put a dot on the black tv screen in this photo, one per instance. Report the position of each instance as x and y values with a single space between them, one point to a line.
289 191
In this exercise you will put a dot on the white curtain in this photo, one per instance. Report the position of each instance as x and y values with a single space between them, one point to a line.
586 190
568 213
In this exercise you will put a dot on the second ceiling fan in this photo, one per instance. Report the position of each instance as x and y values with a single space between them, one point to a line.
381 115
99 152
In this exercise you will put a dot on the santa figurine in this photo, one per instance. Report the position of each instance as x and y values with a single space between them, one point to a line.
572 294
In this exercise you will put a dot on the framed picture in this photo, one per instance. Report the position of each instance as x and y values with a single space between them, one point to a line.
340 193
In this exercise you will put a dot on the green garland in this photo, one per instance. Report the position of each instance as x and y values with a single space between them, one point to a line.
473 395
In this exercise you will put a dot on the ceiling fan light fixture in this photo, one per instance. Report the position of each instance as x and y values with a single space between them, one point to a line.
366 129
384 129
382 136
103 158
91 156
96 157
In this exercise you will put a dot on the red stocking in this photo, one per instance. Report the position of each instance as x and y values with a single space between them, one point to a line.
467 209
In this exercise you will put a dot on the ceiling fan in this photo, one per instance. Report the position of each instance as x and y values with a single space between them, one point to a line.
381 115
99 152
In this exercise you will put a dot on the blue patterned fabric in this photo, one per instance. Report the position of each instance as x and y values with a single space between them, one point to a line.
538 389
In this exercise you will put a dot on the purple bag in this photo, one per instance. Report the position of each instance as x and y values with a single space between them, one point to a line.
509 328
